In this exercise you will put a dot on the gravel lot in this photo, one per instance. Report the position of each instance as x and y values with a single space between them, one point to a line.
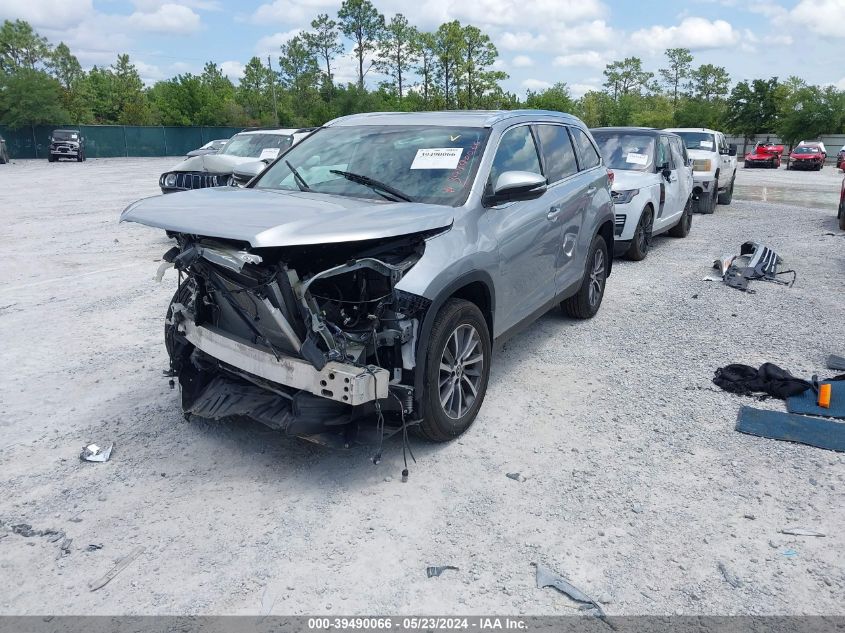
637 485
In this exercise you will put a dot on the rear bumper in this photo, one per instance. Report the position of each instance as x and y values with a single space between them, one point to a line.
341 382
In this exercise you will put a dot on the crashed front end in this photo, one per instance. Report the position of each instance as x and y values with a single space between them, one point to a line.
304 339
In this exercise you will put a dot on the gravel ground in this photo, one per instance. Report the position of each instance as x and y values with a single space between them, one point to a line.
637 487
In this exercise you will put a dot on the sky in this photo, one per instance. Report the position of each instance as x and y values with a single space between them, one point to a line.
540 42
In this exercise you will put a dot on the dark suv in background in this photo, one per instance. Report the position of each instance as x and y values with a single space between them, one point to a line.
66 144
4 151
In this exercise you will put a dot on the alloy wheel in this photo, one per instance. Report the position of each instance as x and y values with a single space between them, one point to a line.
461 369
596 278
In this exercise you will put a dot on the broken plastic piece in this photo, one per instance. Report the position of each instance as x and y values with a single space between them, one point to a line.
437 570
732 579
547 578
800 532
515 476
836 362
122 564
95 453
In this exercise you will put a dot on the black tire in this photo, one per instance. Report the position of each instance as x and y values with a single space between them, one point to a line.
682 228
707 204
641 242
79 158
446 415
51 159
585 303
726 196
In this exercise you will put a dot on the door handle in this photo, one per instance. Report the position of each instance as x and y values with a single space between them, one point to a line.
591 190
554 211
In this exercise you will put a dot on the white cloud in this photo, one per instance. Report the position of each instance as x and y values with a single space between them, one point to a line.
535 84
148 6
522 61
692 33
54 14
150 73
293 11
840 84
234 70
521 41
270 44
591 59
168 18
825 17
578 90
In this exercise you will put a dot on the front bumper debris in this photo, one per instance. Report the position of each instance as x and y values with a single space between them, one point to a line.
337 381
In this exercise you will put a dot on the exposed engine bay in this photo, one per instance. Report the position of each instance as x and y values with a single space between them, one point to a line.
304 339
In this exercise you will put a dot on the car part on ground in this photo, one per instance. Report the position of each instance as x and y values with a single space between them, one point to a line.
754 262
367 274
545 577
713 165
66 144
652 186
215 169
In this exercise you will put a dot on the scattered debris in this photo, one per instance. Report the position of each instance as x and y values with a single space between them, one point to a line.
547 578
437 570
93 547
733 580
836 362
800 532
122 564
750 517
803 429
64 548
755 261
790 553
94 453
515 476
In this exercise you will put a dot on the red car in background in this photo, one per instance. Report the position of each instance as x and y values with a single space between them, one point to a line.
840 158
764 155
809 156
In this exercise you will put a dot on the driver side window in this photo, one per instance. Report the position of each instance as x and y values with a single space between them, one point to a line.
516 152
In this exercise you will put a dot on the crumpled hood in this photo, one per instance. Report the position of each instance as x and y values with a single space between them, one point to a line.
212 163
626 179
268 218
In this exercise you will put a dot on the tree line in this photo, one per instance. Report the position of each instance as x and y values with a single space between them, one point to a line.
452 67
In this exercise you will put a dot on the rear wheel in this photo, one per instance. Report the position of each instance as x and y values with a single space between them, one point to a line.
456 371
727 195
641 241
682 228
586 302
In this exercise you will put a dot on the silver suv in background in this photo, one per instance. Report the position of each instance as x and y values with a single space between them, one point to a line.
368 272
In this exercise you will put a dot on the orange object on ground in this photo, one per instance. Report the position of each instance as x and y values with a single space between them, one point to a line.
824 395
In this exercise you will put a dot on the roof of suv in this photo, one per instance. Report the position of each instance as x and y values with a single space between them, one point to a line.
468 118
272 130
691 129
648 131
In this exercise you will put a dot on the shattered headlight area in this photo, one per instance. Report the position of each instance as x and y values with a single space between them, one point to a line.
306 339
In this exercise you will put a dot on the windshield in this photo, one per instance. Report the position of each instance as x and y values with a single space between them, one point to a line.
64 135
806 150
633 152
425 163
253 145
698 140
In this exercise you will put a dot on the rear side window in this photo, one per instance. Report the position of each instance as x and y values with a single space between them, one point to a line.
586 150
558 153
678 152
516 152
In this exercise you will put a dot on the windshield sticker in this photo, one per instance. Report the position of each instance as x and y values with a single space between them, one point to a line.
637 159
707 144
454 138
269 152
437 158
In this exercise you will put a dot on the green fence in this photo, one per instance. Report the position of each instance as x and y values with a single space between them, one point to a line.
104 141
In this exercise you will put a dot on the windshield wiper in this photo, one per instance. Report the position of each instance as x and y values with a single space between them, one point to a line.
300 181
372 184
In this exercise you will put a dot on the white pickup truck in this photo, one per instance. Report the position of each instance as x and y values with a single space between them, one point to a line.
713 166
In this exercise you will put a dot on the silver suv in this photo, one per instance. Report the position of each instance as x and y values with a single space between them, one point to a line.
368 271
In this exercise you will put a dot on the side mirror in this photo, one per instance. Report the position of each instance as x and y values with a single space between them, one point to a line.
517 185
731 150
664 169
248 171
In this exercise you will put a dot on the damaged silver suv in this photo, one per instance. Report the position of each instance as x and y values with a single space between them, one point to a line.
369 270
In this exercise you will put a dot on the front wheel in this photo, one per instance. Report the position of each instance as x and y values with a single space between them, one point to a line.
726 196
682 228
641 242
456 370
586 302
